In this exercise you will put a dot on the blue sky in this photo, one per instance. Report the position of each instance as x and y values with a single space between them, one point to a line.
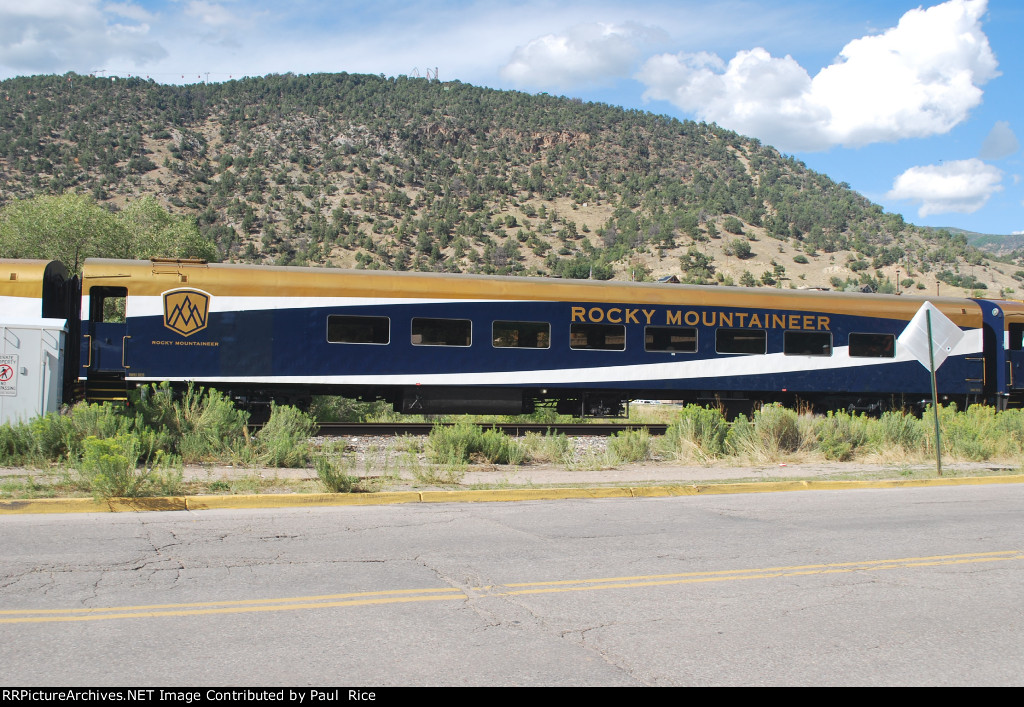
915 106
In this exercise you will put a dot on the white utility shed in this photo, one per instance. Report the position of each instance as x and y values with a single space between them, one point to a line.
31 367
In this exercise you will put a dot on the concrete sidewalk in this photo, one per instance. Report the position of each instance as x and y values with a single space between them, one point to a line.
535 484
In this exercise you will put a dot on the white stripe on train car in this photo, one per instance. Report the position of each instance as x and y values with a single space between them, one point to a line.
720 367
20 307
148 306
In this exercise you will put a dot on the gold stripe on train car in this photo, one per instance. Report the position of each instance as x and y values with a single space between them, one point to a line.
220 279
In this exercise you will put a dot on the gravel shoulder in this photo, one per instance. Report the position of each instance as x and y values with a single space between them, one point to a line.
393 466
641 473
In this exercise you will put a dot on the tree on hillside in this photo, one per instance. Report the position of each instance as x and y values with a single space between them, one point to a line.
697 267
741 248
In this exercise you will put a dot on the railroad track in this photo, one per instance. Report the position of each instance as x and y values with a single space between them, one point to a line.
514 429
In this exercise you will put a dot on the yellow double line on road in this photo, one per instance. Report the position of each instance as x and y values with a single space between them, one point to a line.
401 596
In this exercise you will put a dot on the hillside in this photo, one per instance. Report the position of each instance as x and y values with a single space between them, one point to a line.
1011 245
409 173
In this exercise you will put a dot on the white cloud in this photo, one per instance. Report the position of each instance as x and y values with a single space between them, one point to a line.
39 36
210 13
593 53
917 79
129 10
999 143
963 186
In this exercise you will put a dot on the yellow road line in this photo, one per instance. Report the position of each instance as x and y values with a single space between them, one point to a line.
203 604
399 596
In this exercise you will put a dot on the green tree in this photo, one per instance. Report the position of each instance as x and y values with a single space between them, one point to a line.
69 228
741 248
153 232
72 227
697 267
733 225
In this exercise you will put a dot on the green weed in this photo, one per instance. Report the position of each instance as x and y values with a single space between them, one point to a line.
335 478
629 446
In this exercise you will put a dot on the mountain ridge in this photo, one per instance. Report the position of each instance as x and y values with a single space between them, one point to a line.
401 173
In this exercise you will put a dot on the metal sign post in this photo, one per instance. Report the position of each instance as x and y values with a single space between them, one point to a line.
930 338
935 394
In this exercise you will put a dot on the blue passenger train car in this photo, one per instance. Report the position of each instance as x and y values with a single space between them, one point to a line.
432 343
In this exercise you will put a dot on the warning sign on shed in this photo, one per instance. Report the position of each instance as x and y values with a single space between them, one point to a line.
8 377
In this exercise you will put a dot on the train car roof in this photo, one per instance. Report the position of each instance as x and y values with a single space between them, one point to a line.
24 278
153 277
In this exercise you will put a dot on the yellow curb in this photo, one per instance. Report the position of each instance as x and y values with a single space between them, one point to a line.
290 500
155 503
915 483
551 494
293 500
53 505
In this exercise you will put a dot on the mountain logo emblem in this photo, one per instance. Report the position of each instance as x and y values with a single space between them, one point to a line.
186 311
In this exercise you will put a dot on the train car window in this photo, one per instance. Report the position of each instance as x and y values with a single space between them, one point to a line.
352 329
597 337
441 332
873 345
107 304
521 335
741 341
670 338
807 343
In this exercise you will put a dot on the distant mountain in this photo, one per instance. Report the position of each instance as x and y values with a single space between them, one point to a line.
408 173
992 243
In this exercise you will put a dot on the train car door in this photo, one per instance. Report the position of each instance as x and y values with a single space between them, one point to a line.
105 333
1015 353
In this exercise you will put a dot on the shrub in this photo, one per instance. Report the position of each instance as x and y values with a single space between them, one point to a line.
840 434
629 446
778 427
93 420
697 433
774 430
456 444
334 479
199 425
108 467
54 436
551 446
284 440
452 444
493 446
897 430
16 444
1009 431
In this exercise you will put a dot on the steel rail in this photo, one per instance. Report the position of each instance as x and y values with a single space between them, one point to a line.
514 429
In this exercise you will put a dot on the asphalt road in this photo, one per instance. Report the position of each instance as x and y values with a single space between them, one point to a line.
866 587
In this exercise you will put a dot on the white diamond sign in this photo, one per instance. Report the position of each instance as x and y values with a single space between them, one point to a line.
945 336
